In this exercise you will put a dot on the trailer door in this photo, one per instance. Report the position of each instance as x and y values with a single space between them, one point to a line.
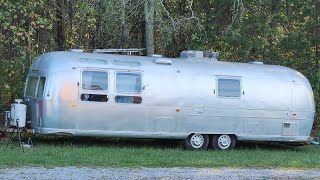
34 98
129 113
222 110
94 106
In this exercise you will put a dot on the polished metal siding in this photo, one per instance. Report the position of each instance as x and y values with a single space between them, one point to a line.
177 100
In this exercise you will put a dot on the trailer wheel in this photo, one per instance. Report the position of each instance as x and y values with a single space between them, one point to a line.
2 133
197 142
223 142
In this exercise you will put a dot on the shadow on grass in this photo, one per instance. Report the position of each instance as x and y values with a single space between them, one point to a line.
144 143
266 146
103 142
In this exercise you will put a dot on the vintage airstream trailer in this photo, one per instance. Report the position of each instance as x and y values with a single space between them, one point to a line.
204 101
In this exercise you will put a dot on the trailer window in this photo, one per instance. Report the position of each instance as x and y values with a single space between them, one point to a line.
94 80
128 99
31 86
128 82
41 87
229 88
94 97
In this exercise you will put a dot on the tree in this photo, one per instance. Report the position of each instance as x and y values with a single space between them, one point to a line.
149 23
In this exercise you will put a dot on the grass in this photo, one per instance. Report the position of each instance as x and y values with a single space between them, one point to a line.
50 151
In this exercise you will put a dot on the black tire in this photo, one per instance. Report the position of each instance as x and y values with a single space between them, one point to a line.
197 142
223 141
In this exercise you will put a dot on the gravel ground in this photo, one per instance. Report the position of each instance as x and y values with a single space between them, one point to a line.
155 173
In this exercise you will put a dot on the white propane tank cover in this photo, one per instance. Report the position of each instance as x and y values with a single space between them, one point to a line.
191 54
18 113
19 101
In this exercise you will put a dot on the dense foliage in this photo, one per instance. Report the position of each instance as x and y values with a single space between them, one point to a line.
283 32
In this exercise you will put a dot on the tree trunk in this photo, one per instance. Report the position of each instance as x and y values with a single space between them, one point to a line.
60 36
317 29
149 29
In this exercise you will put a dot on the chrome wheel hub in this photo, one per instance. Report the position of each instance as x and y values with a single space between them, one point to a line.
224 141
197 140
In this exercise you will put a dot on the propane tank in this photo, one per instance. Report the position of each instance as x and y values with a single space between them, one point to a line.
18 113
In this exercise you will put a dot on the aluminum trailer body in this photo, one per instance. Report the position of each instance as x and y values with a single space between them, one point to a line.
92 94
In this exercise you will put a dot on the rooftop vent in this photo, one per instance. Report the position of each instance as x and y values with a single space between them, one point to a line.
256 62
76 50
214 55
156 55
164 61
199 54
191 54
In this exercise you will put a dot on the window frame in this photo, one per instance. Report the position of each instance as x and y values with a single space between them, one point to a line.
96 94
98 91
229 78
26 86
37 87
44 87
130 96
127 72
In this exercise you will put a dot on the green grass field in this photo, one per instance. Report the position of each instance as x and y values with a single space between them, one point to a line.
52 151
